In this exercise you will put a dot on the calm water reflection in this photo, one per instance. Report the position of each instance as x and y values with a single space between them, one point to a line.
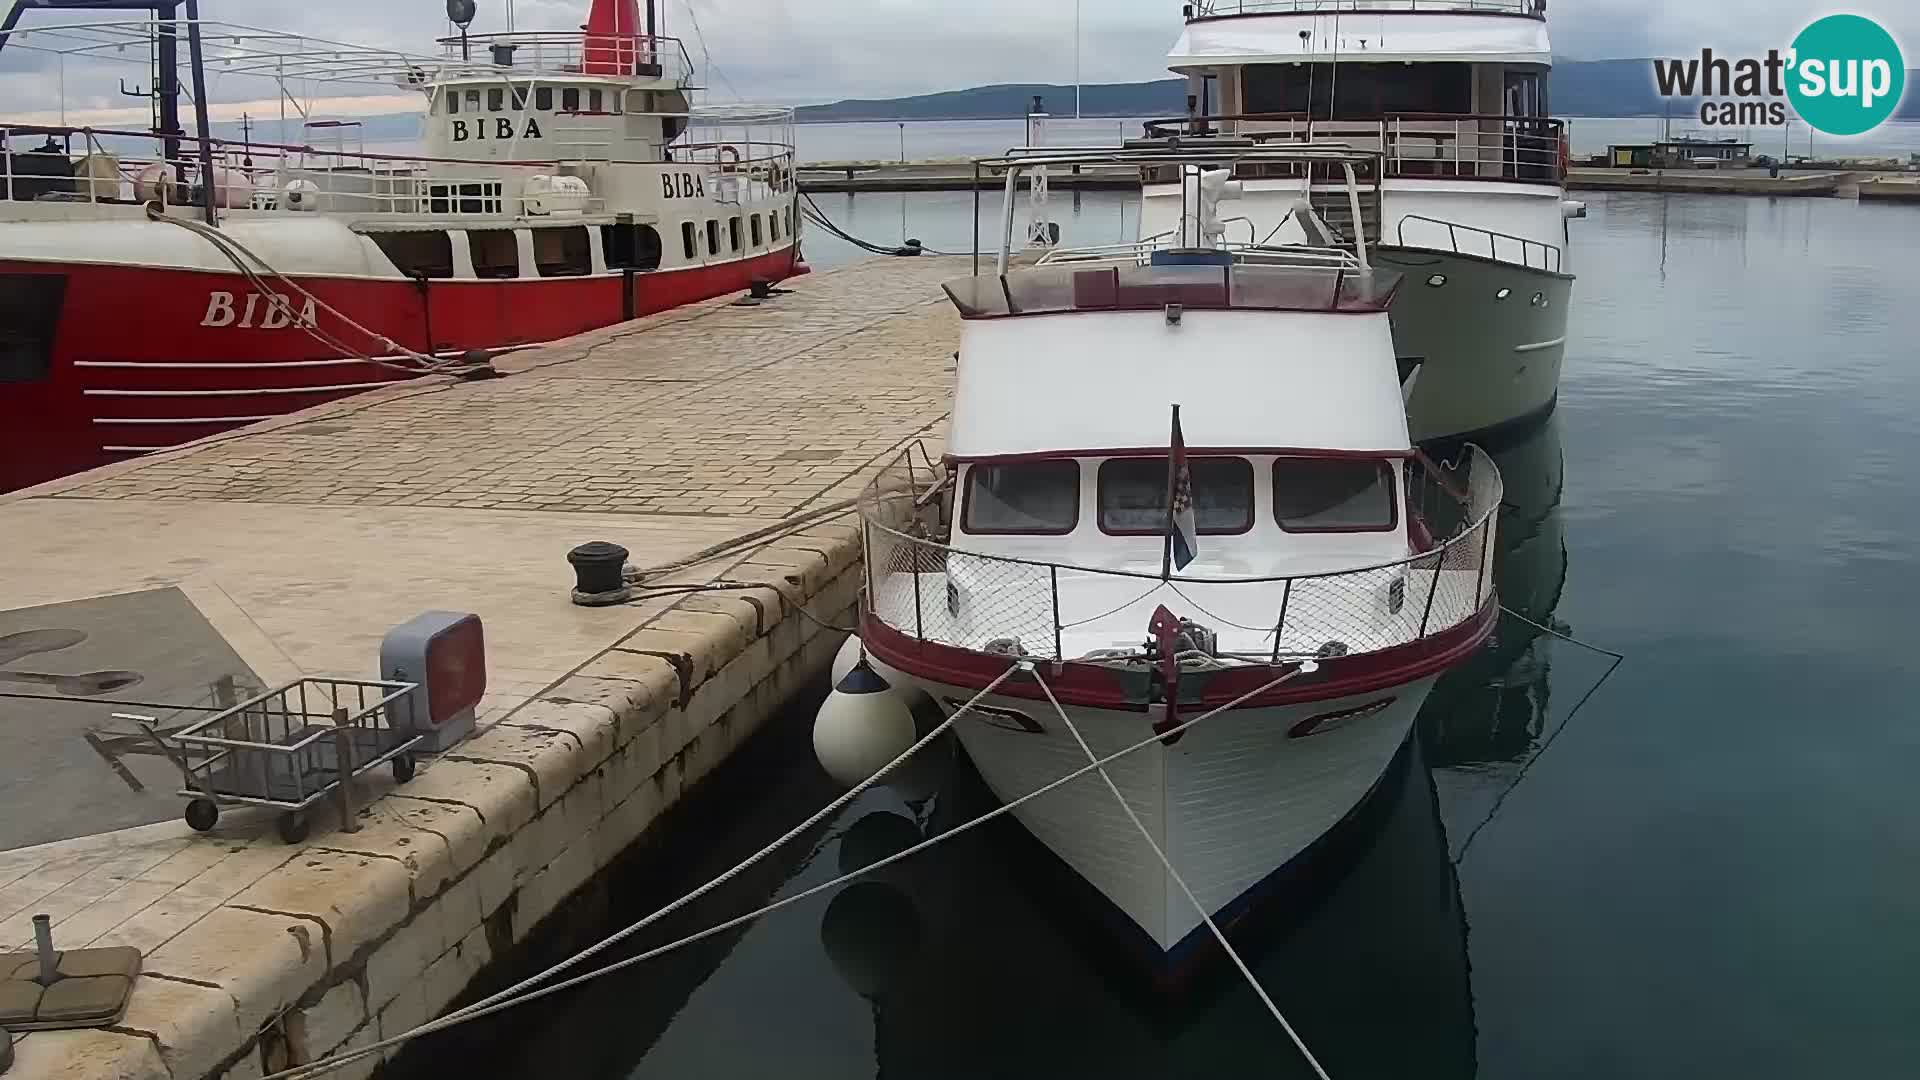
1715 871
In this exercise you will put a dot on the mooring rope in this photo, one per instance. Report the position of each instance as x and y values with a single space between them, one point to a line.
1498 803
1159 853
238 253
515 992
518 995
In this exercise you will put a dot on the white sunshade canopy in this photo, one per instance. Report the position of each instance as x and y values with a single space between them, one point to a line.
1362 37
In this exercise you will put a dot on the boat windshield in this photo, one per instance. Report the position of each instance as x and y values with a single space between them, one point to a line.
1133 495
1239 286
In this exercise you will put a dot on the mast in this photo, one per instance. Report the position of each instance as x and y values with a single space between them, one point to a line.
205 136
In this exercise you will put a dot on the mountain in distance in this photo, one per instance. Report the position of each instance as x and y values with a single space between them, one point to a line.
1578 88
1163 97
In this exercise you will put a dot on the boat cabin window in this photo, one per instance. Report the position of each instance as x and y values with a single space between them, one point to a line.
688 234
543 98
566 252
426 254
496 253
757 236
1322 495
570 99
733 232
496 99
453 102
594 100
713 237
773 224
473 101
1039 497
29 316
1364 91
634 247
520 96
1133 495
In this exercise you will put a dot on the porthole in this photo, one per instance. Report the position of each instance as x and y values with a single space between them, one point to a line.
1503 294
1437 280
1539 299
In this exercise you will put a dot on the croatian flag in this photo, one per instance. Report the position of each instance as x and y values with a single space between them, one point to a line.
1183 537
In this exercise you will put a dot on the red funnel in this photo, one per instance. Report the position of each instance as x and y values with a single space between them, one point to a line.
613 38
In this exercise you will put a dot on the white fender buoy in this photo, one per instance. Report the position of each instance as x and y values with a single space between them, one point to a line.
849 655
861 727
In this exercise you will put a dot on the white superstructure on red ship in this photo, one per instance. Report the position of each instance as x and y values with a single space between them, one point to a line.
564 183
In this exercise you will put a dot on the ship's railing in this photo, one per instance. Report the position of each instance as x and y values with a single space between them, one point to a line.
928 590
1253 252
105 166
1214 9
1412 145
562 53
1473 240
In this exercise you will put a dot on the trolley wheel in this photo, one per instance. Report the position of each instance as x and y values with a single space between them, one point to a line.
202 814
294 827
403 768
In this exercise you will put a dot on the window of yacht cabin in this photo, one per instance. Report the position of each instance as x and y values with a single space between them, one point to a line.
1334 495
496 99
570 99
688 234
713 237
30 306
563 252
453 101
425 254
520 97
543 98
593 100
496 253
1133 495
1024 497
473 101
1363 92
773 225
733 233
635 247
757 237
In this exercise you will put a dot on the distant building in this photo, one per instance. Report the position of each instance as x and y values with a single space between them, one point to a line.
1681 153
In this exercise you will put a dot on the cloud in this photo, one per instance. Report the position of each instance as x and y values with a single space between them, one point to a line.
821 50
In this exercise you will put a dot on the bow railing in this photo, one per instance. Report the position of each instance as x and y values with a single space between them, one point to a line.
925 588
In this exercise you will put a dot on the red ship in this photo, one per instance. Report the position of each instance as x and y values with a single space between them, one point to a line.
160 286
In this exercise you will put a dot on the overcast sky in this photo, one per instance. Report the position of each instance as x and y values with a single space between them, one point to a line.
803 51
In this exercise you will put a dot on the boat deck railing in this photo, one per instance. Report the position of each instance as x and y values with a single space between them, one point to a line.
1526 149
549 54
1473 240
105 167
1250 253
1217 9
930 591
1337 166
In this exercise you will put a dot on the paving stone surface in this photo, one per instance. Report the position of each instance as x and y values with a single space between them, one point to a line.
303 539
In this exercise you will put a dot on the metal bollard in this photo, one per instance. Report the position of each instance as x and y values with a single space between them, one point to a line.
43 942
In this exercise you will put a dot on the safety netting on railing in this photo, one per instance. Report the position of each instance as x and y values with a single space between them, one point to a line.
922 586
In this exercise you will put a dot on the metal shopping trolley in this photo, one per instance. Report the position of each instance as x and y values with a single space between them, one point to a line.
290 748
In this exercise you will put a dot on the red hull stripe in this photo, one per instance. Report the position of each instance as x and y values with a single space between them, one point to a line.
140 346
1095 687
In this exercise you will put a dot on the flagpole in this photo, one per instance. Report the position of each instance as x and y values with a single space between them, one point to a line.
1173 479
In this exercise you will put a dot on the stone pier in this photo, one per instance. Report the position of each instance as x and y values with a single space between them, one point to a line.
290 548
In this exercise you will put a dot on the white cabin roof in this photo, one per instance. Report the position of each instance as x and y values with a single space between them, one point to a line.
1362 37
1245 379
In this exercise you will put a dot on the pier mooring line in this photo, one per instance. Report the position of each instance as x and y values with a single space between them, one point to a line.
509 998
1494 810
1160 853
